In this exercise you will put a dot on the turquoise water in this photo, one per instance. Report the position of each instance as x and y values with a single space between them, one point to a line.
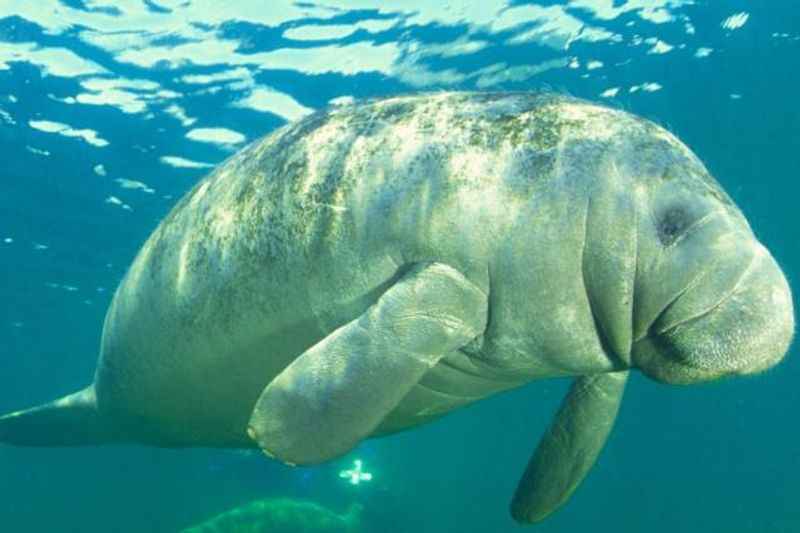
112 110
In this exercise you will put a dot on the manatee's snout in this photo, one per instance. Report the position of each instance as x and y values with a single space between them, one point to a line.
747 330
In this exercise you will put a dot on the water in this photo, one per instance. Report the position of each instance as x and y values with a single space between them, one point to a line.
112 110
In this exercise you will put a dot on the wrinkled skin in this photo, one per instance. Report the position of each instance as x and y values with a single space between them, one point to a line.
482 241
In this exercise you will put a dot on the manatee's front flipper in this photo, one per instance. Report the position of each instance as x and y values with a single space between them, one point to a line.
339 390
570 446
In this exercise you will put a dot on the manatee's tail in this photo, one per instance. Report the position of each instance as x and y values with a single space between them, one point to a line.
70 421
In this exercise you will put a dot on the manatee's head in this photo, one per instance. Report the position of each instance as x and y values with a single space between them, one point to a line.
708 298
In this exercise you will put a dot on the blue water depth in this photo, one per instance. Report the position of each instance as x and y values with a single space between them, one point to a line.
110 111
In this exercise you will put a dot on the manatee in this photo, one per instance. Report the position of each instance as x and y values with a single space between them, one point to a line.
375 266
281 515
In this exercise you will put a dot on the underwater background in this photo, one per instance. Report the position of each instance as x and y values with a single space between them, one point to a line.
111 110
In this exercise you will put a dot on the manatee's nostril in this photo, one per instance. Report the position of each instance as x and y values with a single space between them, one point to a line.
671 224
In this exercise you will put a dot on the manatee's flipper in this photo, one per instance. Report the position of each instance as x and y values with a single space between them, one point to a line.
70 421
338 391
570 446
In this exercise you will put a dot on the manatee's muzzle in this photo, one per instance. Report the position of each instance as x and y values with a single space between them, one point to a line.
749 330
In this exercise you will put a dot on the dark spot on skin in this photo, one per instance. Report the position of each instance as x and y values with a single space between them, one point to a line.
370 119
395 111
305 126
672 223
529 166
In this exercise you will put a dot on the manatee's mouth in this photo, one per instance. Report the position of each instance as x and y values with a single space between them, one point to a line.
740 324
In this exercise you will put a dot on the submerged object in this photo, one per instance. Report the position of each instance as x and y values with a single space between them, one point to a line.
281 515
375 266
357 474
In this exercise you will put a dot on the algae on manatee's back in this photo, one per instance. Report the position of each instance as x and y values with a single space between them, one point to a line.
281 515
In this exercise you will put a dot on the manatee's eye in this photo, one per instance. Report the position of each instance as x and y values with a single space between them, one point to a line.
671 224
